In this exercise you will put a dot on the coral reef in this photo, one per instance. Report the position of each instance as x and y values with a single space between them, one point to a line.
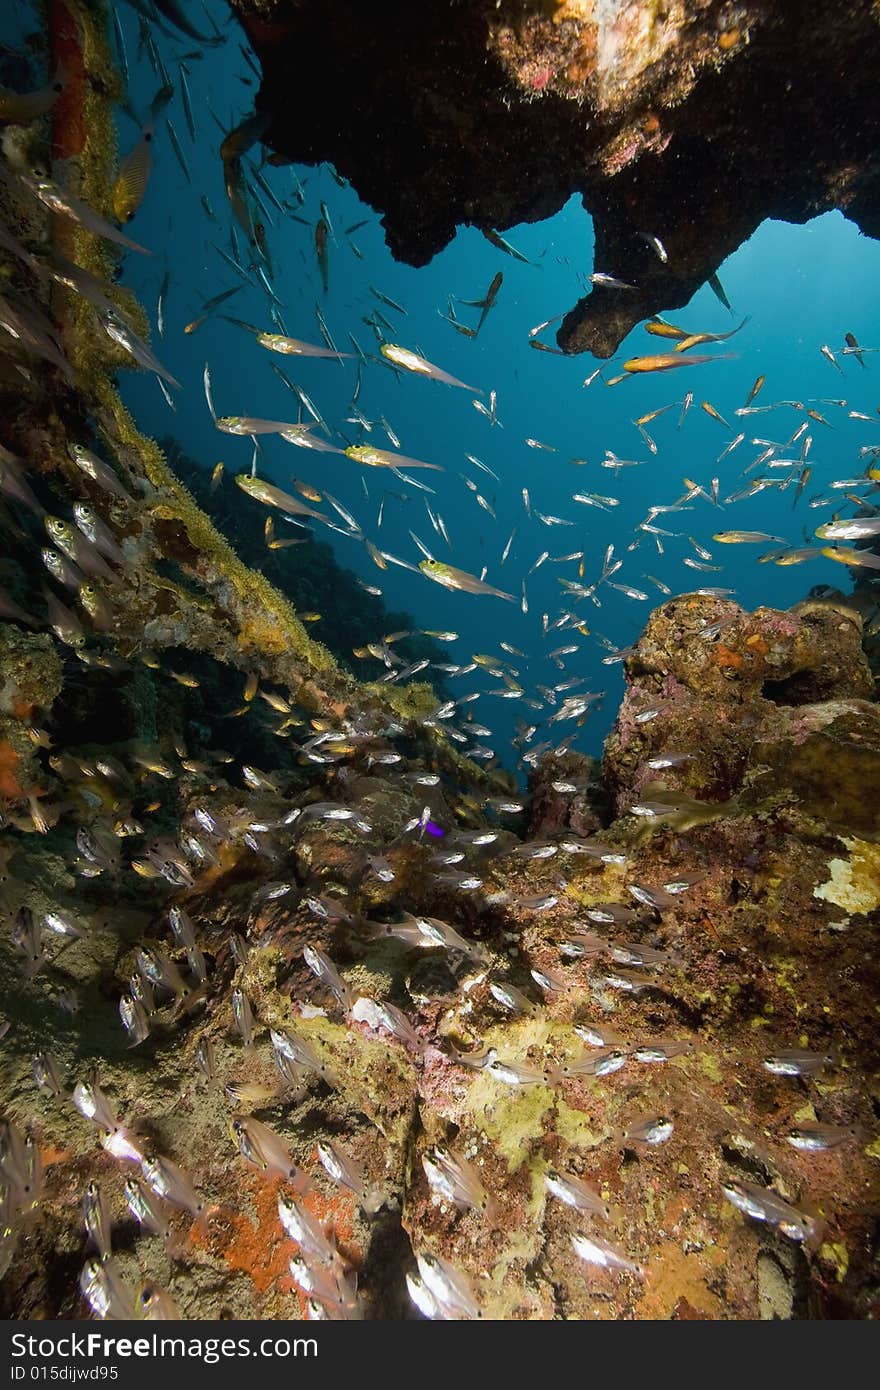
732 690
680 121
648 985
708 932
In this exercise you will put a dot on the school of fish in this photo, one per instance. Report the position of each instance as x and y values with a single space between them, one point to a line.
108 820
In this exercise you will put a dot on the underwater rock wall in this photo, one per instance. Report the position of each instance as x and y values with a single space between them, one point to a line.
337 609
687 122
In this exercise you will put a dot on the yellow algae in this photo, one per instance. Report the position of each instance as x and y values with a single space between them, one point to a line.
538 1195
873 1150
805 1115
414 701
517 1036
576 1127
835 1253
631 39
573 9
511 1116
711 1066
604 886
785 971
650 1208
854 883
376 1078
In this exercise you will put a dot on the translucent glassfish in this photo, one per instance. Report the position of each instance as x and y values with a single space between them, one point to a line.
450 1288
171 1183
595 1251
763 1204
574 1192
309 1234
456 1180
105 1291
266 1150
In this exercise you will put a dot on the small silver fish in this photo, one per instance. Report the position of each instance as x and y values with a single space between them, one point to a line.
608 282
548 980
345 1172
266 1150
243 1016
302 1227
93 1104
456 1180
797 1061
514 1073
654 1129
661 1051
509 997
330 1287
595 1251
121 1145
603 1063
206 1058
576 1193
655 244
450 1289
763 1204
171 1183
322 966
389 1017
159 969
146 1208
105 1291
182 927
628 981
134 1019
95 531
817 1137
437 933
156 1305
96 1219
47 1073
300 1052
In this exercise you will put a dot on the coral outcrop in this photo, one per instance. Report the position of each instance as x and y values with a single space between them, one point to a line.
686 122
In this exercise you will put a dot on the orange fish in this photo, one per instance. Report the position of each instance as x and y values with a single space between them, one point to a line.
759 382
661 329
667 361
694 339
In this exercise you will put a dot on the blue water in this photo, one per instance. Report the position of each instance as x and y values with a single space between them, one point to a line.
800 286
